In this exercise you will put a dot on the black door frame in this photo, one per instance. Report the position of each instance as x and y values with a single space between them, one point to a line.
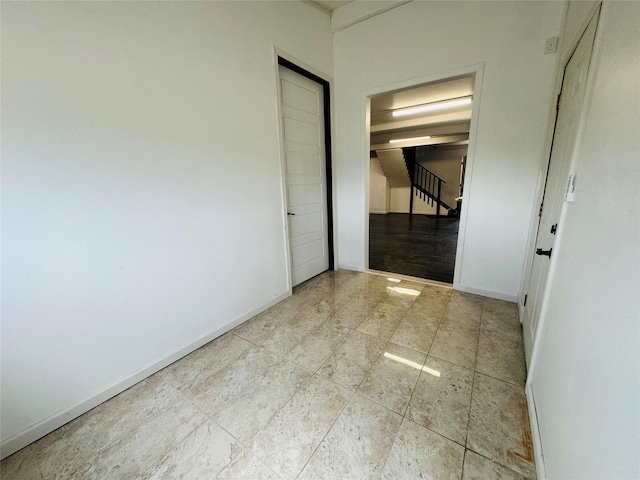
327 144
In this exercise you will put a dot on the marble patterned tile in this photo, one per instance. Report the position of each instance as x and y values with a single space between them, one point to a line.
501 318
22 465
318 345
358 443
219 390
203 454
134 454
205 361
291 330
252 410
476 467
403 294
499 425
420 453
442 398
393 377
382 321
247 467
465 308
292 435
456 342
501 357
416 330
352 360
354 312
433 300
63 451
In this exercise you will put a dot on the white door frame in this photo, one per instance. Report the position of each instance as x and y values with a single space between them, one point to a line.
309 72
476 70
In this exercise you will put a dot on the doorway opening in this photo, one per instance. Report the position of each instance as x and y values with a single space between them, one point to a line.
419 138
305 127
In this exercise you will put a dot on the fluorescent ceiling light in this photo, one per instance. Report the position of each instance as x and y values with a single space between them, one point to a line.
398 140
430 107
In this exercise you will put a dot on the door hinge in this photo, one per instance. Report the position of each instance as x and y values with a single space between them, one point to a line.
540 211
554 228
524 304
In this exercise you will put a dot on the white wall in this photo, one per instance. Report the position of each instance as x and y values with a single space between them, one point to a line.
142 206
444 162
585 373
379 191
400 202
421 39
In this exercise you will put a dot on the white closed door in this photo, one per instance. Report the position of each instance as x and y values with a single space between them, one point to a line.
564 141
302 111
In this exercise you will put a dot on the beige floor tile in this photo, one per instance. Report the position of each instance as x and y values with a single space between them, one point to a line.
464 308
456 342
252 410
442 398
203 454
501 357
393 377
134 454
292 435
416 330
352 360
22 465
62 452
383 321
501 318
358 443
248 405
355 312
420 453
318 345
205 361
220 389
476 467
433 300
499 425
247 467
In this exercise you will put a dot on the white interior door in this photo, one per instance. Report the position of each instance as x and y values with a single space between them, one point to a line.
302 111
564 140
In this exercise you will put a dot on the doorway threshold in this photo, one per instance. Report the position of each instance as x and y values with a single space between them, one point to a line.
409 278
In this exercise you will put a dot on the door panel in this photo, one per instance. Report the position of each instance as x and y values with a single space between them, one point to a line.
564 140
305 169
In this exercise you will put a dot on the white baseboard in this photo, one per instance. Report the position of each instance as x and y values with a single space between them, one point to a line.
48 425
486 293
535 434
348 266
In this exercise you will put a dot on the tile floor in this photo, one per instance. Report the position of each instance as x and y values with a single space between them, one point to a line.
354 376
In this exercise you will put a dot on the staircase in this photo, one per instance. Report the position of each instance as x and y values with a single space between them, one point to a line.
426 184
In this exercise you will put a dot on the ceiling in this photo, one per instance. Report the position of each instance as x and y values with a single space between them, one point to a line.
330 5
448 126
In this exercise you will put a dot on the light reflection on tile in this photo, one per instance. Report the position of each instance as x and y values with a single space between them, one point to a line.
393 377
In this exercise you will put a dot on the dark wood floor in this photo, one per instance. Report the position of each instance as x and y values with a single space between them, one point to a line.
414 245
